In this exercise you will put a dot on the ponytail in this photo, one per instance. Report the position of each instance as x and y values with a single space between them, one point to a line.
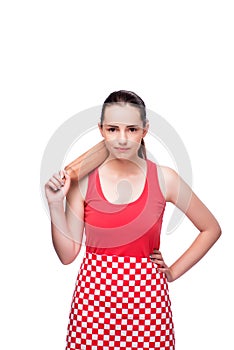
142 150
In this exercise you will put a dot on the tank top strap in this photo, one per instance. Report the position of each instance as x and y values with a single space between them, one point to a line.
91 192
154 181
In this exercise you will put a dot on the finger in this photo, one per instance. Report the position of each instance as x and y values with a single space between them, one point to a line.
157 256
62 175
66 175
67 183
163 269
59 178
160 262
53 186
55 182
67 180
157 252
159 266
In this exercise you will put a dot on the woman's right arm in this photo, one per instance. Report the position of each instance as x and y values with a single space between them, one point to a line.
67 224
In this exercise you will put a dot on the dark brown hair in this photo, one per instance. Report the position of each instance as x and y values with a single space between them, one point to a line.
124 96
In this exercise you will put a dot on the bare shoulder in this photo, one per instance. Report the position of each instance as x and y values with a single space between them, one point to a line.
168 173
78 190
168 181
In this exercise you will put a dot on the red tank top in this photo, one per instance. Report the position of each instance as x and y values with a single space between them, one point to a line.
131 229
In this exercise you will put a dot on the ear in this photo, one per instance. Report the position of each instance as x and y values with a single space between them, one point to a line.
146 129
100 129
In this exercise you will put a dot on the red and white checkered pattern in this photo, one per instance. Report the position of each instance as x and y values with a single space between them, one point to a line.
120 302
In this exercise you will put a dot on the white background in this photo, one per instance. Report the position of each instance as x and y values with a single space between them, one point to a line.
61 57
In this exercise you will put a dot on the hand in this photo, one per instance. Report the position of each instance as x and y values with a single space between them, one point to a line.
57 187
157 258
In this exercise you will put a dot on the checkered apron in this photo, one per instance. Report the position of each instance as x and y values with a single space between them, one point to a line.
120 302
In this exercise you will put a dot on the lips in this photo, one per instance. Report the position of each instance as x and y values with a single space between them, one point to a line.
122 149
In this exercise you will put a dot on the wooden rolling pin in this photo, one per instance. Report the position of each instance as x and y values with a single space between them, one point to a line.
87 162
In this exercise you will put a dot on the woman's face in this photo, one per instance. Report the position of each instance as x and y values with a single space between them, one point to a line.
123 130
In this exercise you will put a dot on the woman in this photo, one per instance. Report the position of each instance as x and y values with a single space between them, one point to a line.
121 297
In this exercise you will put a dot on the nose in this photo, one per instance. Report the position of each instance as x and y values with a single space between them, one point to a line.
122 140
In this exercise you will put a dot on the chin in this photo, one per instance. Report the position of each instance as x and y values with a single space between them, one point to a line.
124 156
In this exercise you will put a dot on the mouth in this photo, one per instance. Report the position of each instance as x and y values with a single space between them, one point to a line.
122 149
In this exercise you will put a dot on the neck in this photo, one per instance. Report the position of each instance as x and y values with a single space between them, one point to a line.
124 166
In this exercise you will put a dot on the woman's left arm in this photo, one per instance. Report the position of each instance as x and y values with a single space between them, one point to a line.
180 194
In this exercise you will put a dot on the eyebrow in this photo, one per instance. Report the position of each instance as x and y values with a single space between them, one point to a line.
116 126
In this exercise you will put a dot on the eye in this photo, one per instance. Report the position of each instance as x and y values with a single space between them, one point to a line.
133 129
111 130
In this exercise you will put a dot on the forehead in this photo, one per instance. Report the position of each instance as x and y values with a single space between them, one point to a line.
122 114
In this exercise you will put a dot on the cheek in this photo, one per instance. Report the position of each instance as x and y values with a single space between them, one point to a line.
136 138
109 136
109 142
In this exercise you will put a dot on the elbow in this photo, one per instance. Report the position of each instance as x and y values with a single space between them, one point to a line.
214 232
68 259
217 231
